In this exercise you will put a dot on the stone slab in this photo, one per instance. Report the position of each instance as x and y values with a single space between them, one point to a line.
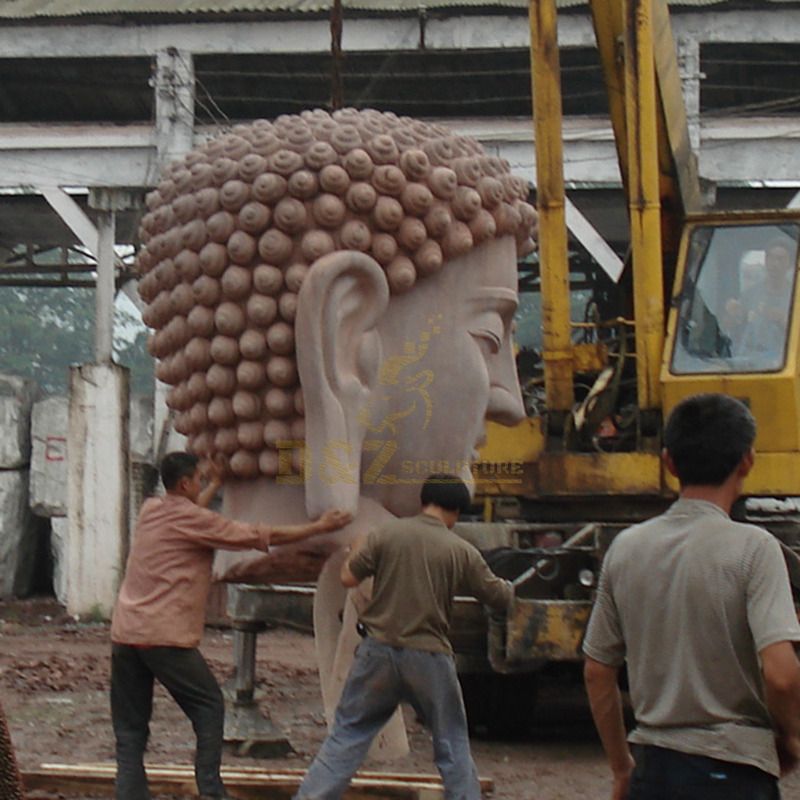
48 492
16 399
140 428
19 536
49 457
59 526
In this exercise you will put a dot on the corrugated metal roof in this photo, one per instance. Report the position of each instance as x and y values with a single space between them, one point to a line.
33 9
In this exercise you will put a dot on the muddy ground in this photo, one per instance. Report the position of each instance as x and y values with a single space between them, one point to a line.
54 689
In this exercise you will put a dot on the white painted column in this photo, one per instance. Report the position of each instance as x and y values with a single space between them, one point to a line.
97 487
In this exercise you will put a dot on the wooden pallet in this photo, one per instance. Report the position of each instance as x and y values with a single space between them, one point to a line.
243 783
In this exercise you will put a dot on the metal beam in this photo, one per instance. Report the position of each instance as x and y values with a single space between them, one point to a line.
733 150
91 40
77 155
73 215
755 150
739 26
643 198
255 37
131 290
43 283
768 25
550 197
596 246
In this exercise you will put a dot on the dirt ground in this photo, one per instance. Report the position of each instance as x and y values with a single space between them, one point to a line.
54 688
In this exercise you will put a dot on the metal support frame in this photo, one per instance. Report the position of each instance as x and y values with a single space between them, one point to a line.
244 654
249 731
643 199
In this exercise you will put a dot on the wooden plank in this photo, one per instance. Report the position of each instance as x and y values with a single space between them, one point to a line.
278 789
235 772
244 784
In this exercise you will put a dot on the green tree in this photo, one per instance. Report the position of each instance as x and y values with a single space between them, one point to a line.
45 330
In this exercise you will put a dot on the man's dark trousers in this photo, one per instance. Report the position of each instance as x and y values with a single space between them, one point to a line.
186 676
662 774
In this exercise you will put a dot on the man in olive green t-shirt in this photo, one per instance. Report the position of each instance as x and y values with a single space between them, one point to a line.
418 566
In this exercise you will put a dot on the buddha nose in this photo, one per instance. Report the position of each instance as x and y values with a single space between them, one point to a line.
505 398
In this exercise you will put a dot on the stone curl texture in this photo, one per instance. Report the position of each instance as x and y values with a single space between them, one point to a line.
232 229
10 780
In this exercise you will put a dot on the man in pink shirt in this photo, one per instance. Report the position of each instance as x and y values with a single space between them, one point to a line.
158 619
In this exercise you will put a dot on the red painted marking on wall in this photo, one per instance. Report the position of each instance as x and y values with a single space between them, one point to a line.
54 448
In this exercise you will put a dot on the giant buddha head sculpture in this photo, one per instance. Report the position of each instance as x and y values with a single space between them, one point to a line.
331 299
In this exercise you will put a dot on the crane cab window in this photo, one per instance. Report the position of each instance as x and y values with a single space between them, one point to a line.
735 307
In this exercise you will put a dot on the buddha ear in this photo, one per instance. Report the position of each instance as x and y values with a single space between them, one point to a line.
343 296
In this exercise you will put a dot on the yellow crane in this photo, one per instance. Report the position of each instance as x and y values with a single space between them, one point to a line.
676 248
699 285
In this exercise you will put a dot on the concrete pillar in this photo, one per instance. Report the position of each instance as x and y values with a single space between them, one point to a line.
175 90
97 486
104 294
174 87
106 201
689 62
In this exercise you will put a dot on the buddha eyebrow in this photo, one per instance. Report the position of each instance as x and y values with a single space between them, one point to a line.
495 298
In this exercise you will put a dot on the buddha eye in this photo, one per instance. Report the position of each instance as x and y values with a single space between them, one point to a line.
491 340
488 327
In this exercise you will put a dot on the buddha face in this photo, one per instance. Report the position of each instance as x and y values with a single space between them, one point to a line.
447 366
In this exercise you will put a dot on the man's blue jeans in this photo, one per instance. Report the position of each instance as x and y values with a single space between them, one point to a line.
381 678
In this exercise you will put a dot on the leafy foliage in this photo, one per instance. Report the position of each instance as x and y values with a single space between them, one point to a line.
44 330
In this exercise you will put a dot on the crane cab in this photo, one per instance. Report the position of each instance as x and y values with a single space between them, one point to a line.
733 328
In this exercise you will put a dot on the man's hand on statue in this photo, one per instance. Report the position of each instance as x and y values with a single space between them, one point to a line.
213 470
333 519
